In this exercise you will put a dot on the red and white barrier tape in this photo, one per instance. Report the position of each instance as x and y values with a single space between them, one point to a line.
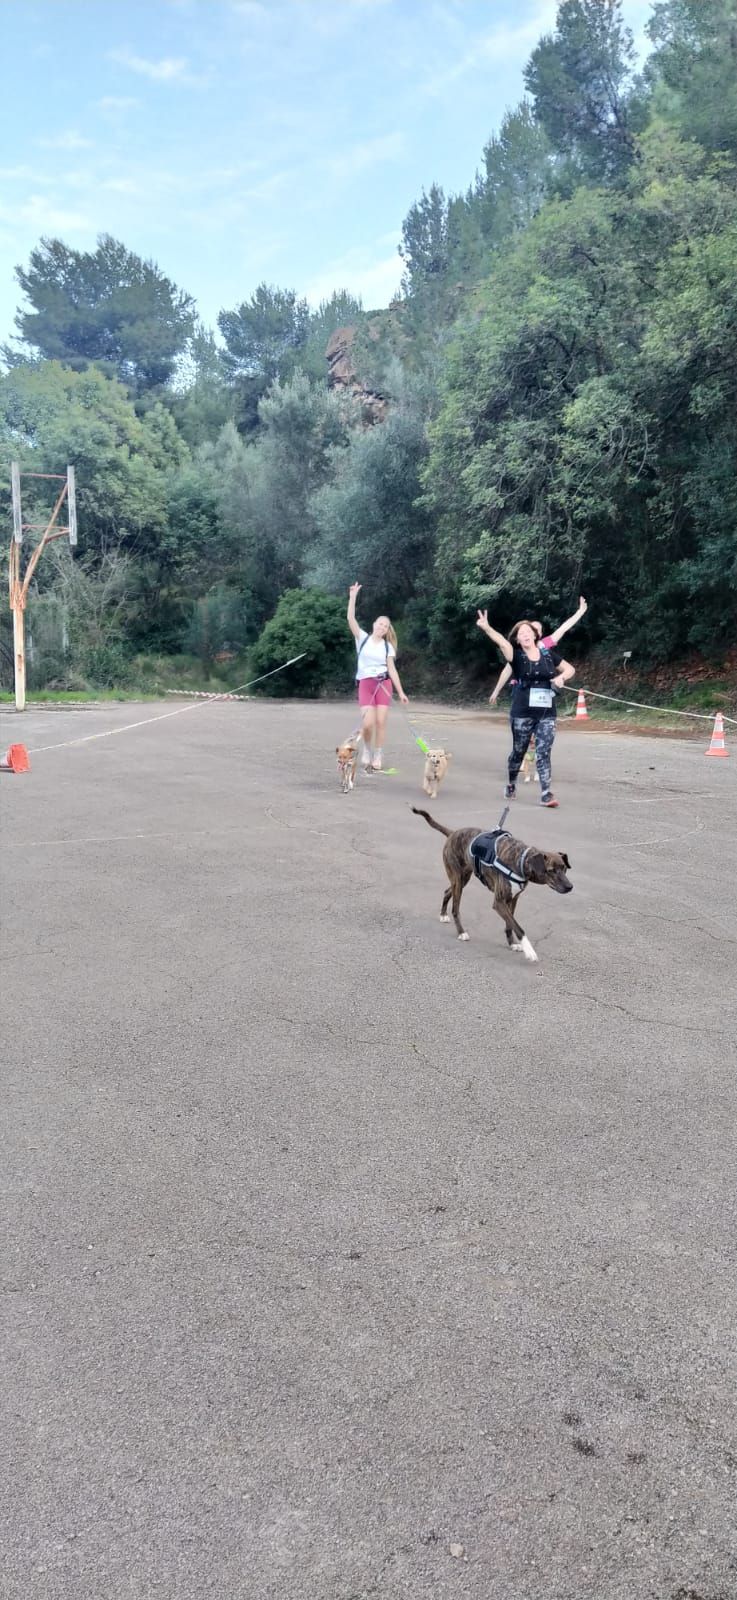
201 694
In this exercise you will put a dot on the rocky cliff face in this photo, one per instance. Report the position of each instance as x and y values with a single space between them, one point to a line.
342 375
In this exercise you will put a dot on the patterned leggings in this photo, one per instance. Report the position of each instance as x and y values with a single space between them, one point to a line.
523 729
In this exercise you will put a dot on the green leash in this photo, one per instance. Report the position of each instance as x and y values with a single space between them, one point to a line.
424 747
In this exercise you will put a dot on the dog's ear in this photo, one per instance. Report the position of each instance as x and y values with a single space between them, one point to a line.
565 861
535 867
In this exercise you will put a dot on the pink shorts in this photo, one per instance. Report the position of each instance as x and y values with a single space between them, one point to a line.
375 692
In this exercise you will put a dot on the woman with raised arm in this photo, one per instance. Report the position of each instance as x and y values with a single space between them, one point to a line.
548 640
376 676
538 672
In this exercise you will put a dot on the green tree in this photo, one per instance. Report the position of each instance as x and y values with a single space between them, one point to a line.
581 82
263 487
693 69
51 415
202 401
263 337
518 164
309 621
690 356
556 306
106 306
369 523
219 622
426 252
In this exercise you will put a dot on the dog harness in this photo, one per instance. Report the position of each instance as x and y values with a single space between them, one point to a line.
483 853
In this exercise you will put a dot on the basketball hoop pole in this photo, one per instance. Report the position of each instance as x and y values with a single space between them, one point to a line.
18 587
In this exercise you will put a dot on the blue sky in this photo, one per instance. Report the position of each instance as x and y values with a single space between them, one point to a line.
236 141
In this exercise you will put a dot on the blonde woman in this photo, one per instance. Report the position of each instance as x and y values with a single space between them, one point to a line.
377 677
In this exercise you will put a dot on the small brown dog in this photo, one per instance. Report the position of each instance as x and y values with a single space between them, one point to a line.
514 865
347 754
529 771
436 766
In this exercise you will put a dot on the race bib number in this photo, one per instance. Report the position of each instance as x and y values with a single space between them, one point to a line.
541 699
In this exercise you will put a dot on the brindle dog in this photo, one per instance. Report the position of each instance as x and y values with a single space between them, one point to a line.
539 866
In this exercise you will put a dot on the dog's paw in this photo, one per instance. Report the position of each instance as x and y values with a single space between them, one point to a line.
444 919
464 936
526 948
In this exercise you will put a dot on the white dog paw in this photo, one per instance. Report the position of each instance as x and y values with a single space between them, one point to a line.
527 949
445 919
464 936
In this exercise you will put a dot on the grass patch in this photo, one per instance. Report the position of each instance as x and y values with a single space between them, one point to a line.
74 697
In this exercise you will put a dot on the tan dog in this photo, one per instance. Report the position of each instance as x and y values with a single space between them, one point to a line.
529 772
347 754
436 766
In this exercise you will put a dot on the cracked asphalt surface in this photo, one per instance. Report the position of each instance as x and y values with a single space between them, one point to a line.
332 1242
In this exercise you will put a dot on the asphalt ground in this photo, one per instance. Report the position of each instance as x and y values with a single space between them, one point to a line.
343 1259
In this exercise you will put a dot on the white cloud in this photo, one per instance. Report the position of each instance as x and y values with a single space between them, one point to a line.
502 44
359 157
117 102
69 140
122 186
170 69
23 175
252 10
637 14
46 217
375 279
335 17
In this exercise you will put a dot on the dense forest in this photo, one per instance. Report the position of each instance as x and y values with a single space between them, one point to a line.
549 405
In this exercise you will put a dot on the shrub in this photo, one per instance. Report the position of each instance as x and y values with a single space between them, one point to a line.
311 621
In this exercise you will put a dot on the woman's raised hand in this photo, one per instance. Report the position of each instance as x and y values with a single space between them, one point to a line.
482 620
582 606
354 590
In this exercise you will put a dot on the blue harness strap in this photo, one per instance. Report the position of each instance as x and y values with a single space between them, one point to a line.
483 853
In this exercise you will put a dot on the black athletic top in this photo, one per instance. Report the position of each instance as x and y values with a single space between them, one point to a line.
533 684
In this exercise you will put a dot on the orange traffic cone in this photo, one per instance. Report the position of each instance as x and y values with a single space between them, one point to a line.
581 711
15 759
717 746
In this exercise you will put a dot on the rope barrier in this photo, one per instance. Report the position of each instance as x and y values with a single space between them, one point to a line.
640 705
111 733
237 693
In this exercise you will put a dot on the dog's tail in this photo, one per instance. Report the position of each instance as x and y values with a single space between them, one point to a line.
431 821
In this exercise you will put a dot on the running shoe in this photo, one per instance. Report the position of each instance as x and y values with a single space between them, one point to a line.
510 793
548 800
376 763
